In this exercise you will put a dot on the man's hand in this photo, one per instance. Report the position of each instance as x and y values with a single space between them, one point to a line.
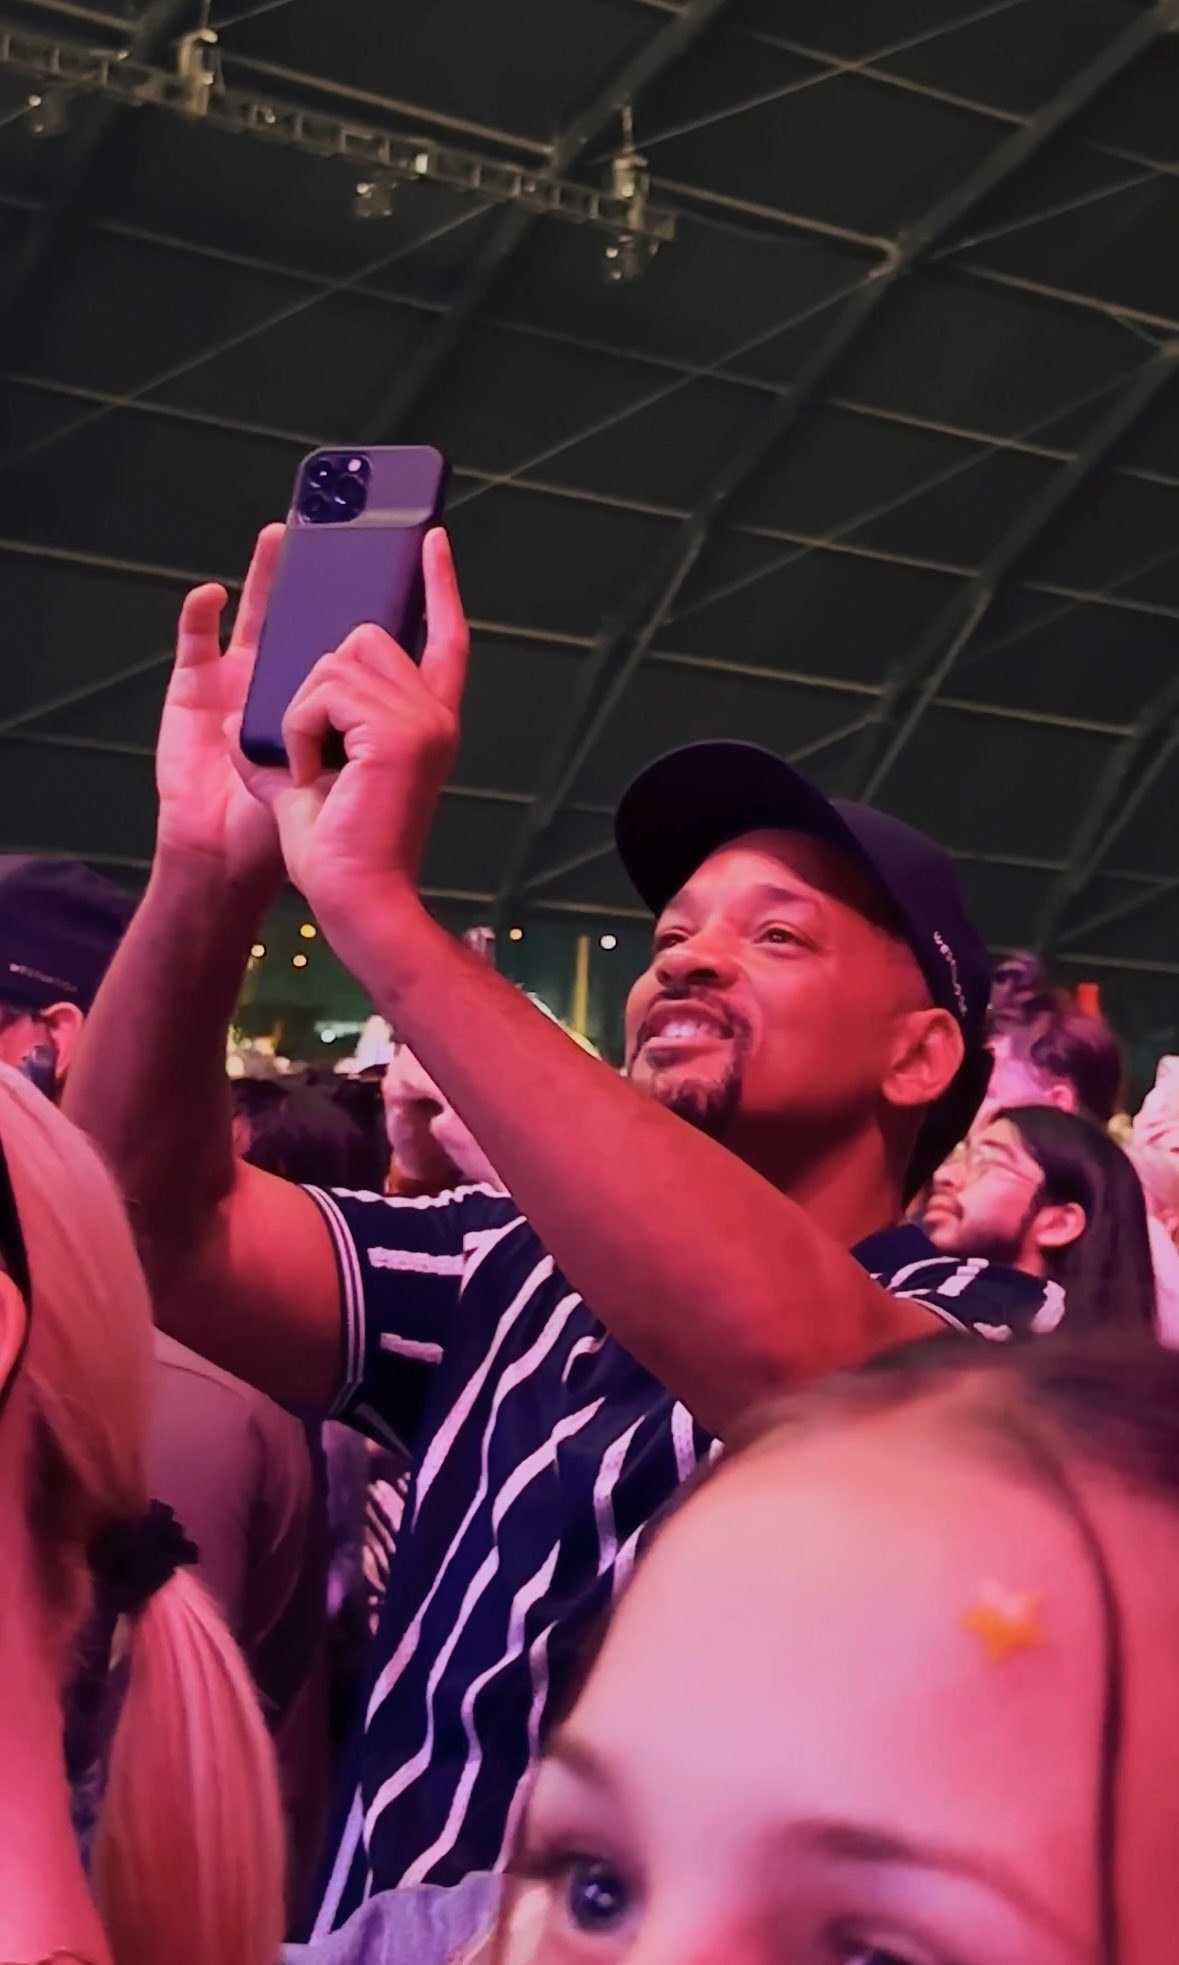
206 810
355 838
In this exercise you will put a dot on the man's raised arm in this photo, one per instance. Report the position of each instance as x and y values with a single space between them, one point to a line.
240 1264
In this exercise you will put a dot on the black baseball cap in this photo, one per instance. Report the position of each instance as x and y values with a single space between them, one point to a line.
60 924
687 804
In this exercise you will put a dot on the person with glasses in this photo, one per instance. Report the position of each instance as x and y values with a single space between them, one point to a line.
186 1867
1052 1195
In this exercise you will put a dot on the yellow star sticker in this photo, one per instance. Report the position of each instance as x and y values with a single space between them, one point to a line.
1004 1621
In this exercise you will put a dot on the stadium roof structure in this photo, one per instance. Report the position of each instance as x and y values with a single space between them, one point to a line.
808 373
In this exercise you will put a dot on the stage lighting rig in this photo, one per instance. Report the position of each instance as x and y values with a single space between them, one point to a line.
197 89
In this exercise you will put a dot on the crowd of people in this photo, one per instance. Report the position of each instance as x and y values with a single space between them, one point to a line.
722 1509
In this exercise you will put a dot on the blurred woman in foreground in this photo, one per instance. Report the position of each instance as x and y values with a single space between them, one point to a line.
896 1686
187 1862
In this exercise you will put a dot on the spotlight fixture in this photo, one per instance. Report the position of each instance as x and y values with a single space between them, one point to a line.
197 70
608 942
630 251
374 198
49 115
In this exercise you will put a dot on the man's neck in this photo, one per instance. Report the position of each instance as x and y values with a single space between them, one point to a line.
848 1191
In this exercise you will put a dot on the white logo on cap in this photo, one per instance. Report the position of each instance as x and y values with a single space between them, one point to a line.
943 948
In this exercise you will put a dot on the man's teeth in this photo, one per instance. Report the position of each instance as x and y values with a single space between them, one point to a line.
689 1027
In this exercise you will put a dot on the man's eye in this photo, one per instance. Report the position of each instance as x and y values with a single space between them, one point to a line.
779 935
668 938
596 1896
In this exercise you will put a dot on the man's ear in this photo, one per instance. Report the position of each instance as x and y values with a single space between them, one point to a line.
1059 1092
1058 1224
64 1023
928 1051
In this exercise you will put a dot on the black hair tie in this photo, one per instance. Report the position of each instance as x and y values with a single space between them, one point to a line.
134 1559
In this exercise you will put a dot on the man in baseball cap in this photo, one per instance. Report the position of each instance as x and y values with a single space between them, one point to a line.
738 800
60 924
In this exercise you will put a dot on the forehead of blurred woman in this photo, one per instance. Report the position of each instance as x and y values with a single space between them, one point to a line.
803 1648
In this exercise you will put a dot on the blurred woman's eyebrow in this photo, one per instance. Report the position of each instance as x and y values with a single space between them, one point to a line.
576 1756
860 1842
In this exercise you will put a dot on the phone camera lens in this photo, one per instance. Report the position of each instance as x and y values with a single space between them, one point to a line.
334 489
348 497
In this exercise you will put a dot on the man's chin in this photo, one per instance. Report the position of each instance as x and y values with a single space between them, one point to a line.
707 1103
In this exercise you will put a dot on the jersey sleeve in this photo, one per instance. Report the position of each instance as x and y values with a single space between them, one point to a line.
401 1266
971 1294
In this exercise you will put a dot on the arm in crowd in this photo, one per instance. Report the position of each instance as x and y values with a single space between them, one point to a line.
240 1263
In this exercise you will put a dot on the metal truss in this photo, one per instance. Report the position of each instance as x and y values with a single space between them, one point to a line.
119 78
407 388
916 681
79 163
559 638
625 639
1130 773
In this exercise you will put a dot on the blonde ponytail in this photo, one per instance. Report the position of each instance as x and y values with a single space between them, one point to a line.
189 1849
188 1855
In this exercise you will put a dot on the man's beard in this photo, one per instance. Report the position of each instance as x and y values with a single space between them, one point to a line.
710 1105
1001 1248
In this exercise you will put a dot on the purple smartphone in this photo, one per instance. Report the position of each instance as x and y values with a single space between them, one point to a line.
353 553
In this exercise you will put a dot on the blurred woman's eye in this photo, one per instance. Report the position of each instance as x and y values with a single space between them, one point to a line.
857 1953
596 1895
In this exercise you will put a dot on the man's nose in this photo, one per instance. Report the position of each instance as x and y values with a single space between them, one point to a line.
707 959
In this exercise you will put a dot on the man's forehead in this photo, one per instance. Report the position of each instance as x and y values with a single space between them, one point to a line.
795 861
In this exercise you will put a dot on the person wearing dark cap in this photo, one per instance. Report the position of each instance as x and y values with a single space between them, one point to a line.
60 924
814 1009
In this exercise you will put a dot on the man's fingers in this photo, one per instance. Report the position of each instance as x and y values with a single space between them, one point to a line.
198 638
251 610
369 647
444 662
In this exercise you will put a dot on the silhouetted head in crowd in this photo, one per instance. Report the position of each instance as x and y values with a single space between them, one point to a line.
1049 1193
433 1149
926 1712
188 1860
1047 1050
301 1133
60 924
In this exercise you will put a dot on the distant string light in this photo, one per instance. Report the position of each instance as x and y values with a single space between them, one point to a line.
515 934
309 931
258 951
298 961
608 942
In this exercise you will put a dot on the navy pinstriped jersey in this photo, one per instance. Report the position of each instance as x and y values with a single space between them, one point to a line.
540 1452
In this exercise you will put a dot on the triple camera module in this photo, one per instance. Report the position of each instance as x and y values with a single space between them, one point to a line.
333 489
